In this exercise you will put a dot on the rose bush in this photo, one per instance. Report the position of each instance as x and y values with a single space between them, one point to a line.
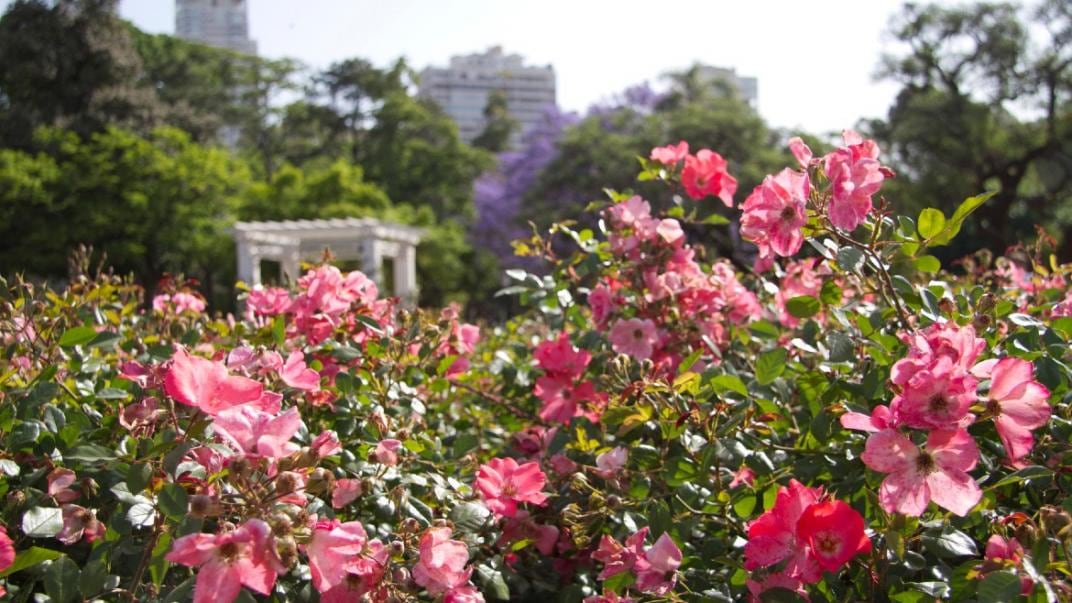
841 421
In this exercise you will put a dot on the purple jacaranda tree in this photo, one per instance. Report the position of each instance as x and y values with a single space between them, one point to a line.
498 193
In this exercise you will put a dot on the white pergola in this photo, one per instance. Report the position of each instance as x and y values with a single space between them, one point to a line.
363 239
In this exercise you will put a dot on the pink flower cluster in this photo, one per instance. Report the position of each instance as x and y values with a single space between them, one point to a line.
227 561
806 535
937 383
1005 554
79 523
441 568
705 173
563 393
655 567
345 564
657 281
636 233
7 554
461 338
503 484
776 211
328 299
179 303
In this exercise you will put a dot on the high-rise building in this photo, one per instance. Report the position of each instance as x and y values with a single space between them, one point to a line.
462 89
747 88
223 23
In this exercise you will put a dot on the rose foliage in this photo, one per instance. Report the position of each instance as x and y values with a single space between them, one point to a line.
844 420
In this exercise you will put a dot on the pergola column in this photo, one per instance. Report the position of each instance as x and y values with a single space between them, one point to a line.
372 260
406 273
249 263
290 262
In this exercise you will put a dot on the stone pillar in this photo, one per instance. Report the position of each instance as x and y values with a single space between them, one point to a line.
406 273
290 262
249 262
372 260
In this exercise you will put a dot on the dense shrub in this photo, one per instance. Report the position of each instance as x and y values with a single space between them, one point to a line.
844 421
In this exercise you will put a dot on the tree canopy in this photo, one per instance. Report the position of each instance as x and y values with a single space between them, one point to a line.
985 105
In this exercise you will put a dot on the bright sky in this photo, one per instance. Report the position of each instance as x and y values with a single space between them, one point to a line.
815 60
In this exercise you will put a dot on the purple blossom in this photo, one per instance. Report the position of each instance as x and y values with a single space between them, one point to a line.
498 194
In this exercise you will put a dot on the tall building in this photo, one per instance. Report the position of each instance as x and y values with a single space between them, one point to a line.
223 23
462 89
747 87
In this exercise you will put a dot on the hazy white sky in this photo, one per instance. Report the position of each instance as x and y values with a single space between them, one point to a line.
815 60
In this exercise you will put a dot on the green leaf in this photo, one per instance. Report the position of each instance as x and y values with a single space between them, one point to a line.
61 580
930 223
182 592
463 443
105 339
935 590
680 471
689 361
770 365
803 306
470 517
279 330
77 336
841 347
928 264
619 582
159 565
32 556
173 501
850 258
744 507
1032 472
113 393
94 574
716 219
90 453
729 383
369 323
138 477
830 293
999 587
42 522
493 582
950 543
953 224
1063 326
444 364
780 595
346 353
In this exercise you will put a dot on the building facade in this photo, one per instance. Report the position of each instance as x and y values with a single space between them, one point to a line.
222 23
462 89
747 88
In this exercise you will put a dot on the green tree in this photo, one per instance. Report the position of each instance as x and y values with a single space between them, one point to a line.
415 153
407 145
339 190
70 64
152 204
499 126
217 94
309 132
985 105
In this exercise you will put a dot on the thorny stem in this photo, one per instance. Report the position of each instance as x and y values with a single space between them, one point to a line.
143 563
493 398
880 266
